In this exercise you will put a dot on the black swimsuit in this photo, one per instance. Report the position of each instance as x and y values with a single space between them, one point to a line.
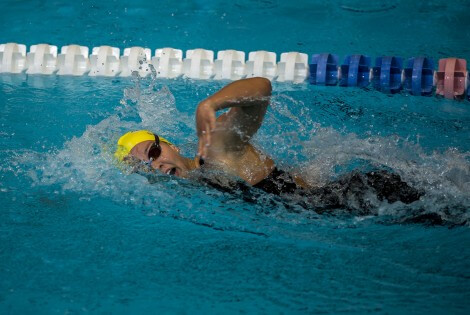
349 191
278 182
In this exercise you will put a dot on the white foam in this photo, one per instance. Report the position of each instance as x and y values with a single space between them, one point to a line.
86 165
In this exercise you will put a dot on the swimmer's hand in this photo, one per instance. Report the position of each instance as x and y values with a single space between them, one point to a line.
248 100
205 125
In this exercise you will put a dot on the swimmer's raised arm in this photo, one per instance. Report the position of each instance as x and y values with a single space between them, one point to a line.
247 99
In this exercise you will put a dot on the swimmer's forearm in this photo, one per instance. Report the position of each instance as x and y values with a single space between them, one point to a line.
241 93
248 100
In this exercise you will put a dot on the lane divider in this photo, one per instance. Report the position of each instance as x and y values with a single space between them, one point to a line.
104 61
387 74
452 78
229 65
42 59
419 76
390 74
168 62
73 60
355 71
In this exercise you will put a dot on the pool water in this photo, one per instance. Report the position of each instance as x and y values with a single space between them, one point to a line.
79 235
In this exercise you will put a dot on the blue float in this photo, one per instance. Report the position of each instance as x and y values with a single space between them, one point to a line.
355 71
324 69
419 76
386 75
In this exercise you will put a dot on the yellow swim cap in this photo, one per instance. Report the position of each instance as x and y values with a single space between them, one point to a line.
133 138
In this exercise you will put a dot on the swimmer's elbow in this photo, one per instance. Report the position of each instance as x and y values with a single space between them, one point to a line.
263 86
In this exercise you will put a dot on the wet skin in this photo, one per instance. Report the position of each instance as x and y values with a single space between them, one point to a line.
169 162
224 141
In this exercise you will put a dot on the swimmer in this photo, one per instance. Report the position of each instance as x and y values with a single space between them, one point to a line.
224 143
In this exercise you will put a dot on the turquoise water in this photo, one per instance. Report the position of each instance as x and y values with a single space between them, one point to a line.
78 236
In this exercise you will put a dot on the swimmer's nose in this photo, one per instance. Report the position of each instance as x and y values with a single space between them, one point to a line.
156 165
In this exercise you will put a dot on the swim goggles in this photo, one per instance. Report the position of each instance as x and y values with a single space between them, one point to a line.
154 152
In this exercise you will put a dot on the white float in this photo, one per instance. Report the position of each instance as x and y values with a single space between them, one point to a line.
261 64
199 64
135 59
230 65
12 58
42 59
73 60
292 67
104 61
168 62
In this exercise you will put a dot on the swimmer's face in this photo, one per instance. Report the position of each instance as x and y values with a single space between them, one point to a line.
169 162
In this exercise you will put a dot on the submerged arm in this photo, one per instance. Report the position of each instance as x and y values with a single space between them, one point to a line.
247 99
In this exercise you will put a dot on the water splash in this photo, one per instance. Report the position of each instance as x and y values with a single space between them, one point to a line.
321 154
443 176
86 165
153 106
